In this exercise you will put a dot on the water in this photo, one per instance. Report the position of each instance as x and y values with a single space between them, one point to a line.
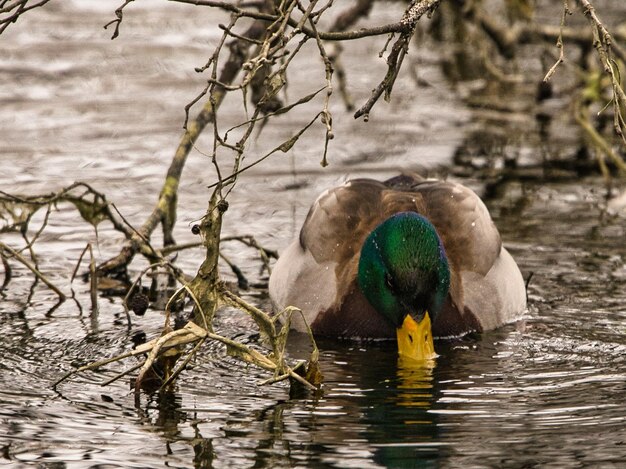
545 392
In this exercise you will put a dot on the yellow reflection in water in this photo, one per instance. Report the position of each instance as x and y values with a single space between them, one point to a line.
415 383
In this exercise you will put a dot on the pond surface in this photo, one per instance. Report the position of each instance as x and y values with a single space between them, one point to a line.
549 391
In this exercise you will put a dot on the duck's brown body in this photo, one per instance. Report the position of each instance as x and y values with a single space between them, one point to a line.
318 272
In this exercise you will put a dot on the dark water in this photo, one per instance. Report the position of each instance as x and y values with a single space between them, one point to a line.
549 391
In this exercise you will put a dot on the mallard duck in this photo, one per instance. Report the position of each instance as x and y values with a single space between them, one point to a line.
408 258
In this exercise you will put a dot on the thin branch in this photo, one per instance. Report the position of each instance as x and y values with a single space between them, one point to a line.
167 250
230 32
16 10
264 253
394 61
326 116
119 13
33 269
121 375
603 43
399 27
177 337
8 273
598 141
191 336
93 281
181 367
284 147
559 43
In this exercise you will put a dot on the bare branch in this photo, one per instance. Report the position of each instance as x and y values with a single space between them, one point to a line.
11 12
13 253
559 43
394 61
118 21
400 27
603 43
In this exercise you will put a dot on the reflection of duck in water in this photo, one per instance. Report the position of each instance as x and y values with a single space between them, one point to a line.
415 385
384 259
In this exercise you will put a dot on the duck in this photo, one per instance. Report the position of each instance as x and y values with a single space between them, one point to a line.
408 258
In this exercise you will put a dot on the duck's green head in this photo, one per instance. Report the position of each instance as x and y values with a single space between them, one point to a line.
404 274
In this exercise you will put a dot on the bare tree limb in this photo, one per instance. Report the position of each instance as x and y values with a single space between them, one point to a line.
394 60
119 13
559 43
11 12
166 203
399 27
603 43
12 252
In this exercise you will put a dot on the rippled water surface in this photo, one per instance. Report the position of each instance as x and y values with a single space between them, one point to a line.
549 391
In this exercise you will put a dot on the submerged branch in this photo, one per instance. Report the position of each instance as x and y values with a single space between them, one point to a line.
192 334
16 255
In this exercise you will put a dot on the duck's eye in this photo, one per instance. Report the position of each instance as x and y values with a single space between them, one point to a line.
388 282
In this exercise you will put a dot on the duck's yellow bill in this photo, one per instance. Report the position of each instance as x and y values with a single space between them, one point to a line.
415 340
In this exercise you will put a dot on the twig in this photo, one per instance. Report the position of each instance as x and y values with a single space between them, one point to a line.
326 116
118 21
121 375
230 32
192 333
242 281
603 43
207 326
214 80
177 337
598 141
80 258
33 269
19 8
100 202
192 336
93 281
166 205
32 241
101 363
398 27
507 39
283 147
262 319
8 273
179 369
394 61
250 241
167 250
559 43
282 110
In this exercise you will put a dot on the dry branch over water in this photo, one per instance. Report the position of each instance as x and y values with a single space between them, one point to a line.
252 58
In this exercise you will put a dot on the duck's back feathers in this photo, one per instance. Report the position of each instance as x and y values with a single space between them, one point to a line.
318 272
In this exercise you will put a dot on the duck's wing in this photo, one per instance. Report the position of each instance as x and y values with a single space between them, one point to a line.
341 218
470 237
487 288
